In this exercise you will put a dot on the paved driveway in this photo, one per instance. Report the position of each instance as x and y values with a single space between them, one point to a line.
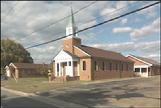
140 92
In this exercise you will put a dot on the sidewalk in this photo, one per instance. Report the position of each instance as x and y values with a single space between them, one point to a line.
53 102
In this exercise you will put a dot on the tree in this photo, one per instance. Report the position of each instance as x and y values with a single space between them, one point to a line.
13 52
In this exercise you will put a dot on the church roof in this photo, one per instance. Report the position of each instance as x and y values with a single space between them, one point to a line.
96 52
153 62
29 65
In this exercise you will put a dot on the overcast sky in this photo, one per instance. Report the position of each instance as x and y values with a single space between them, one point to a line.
137 34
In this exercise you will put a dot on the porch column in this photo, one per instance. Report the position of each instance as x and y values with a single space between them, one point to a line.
140 71
59 69
78 68
56 69
72 68
147 71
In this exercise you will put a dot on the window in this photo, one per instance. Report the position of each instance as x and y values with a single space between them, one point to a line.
84 65
57 67
95 65
69 63
103 66
110 66
137 69
143 70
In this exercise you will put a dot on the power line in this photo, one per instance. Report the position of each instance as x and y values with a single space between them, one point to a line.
55 22
111 13
128 13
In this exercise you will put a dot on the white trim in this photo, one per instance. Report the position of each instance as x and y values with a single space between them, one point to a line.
82 50
138 66
140 60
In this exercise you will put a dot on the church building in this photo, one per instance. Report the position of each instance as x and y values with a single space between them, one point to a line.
88 63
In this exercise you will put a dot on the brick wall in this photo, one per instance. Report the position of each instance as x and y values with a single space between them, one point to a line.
69 43
117 70
85 74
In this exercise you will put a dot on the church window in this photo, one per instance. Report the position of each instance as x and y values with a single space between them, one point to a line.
84 65
103 66
69 63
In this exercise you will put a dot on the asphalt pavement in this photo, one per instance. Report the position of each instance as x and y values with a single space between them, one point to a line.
10 100
139 92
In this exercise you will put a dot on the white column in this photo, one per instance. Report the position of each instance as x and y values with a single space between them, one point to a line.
71 68
56 69
67 68
147 71
78 68
140 71
59 69
62 71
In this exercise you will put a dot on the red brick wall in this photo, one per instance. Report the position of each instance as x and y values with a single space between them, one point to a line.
107 73
85 74
69 43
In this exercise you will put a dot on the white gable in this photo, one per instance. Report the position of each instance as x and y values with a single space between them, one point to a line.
63 56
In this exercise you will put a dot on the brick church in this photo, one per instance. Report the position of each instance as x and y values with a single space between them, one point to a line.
88 63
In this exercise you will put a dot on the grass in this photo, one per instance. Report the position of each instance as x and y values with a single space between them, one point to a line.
40 84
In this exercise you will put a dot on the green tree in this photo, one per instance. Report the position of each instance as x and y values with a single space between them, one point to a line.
13 52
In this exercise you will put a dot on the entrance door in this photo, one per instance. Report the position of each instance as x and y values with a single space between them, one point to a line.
64 65
75 69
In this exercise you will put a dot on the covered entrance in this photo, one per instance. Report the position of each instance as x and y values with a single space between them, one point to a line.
66 64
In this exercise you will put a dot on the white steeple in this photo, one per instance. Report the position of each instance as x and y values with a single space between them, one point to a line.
71 27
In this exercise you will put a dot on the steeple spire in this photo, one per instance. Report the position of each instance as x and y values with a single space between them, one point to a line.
71 27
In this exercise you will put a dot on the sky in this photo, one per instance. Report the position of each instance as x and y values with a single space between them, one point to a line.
137 34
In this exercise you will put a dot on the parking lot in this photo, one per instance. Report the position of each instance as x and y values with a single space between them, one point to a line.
139 92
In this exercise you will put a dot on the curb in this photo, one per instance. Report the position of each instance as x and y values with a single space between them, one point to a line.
17 92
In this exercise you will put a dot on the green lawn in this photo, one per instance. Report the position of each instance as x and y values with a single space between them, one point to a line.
41 84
